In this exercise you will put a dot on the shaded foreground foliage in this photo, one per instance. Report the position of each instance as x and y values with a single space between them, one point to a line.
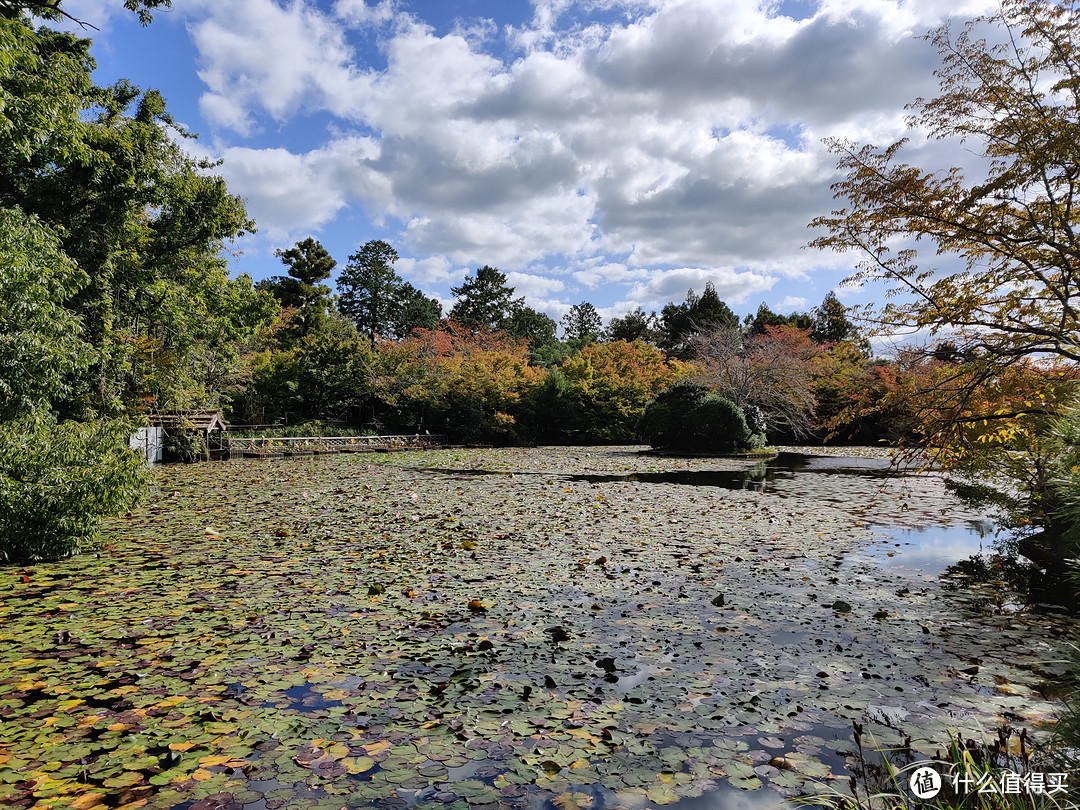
327 633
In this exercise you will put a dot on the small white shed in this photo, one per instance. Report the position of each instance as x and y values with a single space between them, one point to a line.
148 441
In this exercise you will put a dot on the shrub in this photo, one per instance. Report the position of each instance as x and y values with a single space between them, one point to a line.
58 480
689 418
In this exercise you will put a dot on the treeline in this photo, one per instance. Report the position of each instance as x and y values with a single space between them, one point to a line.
379 354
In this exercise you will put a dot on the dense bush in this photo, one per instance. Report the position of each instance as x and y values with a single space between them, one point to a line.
688 417
58 480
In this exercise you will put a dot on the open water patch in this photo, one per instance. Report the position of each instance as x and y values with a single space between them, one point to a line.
771 475
768 475
928 549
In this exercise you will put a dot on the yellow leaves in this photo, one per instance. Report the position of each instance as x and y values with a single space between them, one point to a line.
88 800
355 765
201 775
181 747
214 760
573 801
376 748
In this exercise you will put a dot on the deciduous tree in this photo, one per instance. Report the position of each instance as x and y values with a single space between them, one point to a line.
768 373
599 394
1012 218
1009 93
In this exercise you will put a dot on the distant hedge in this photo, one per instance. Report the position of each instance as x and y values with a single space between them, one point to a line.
689 418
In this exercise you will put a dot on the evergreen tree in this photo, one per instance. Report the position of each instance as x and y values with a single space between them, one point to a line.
705 312
413 310
581 325
831 323
368 288
635 325
484 300
309 263
535 328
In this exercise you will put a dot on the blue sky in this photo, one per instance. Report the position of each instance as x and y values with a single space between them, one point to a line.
613 151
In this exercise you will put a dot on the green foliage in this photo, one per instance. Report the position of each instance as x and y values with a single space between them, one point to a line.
698 313
58 480
114 296
414 310
581 325
378 300
55 10
41 351
764 317
46 80
598 395
368 286
1064 485
535 328
971 770
689 418
324 374
635 325
144 221
831 323
186 444
308 263
484 300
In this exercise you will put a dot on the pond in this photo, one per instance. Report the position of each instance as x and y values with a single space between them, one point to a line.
551 627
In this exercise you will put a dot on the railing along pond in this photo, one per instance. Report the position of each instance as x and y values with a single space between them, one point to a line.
279 446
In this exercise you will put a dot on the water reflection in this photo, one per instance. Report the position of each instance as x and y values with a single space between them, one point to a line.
765 476
978 561
929 549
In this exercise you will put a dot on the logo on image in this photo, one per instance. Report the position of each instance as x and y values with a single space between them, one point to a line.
925 783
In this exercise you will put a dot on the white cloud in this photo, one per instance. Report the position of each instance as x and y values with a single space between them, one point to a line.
429 271
792 303
663 286
685 134
291 193
607 273
533 286
360 13
281 61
